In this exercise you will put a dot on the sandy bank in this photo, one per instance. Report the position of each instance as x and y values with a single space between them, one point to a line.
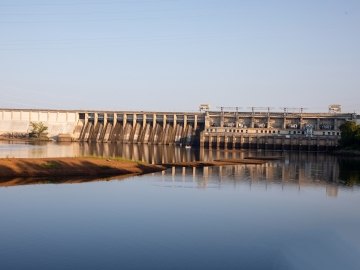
71 167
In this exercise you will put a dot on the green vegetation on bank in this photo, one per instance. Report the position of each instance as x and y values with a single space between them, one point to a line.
350 136
38 130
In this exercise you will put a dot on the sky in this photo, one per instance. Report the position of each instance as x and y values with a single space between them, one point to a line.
173 55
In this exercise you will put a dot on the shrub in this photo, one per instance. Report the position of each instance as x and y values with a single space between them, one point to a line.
38 130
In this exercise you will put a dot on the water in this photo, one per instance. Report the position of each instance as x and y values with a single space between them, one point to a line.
300 212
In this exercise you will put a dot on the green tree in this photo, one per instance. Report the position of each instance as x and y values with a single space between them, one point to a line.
350 135
38 130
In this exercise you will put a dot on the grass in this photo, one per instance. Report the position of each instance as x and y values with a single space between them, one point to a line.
50 165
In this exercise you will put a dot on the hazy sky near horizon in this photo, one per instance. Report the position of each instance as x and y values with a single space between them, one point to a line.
176 54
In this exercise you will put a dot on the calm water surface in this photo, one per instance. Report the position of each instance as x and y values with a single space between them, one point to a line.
301 212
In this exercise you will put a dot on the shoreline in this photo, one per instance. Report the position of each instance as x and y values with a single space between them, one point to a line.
72 167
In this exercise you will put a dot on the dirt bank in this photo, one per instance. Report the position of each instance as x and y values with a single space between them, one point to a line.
71 167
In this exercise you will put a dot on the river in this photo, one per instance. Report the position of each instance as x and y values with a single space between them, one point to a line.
299 212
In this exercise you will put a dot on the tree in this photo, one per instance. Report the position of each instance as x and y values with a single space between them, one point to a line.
38 130
350 134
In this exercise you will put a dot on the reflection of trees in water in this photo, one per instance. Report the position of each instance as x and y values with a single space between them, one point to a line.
349 171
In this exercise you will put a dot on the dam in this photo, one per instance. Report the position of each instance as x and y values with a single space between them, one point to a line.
209 129
104 126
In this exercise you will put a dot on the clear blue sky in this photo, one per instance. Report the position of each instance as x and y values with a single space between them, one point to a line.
176 54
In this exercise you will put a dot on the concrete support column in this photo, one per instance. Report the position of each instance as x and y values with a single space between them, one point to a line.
164 121
318 123
218 138
144 120
268 122
207 120
195 122
105 119
96 118
124 119
284 122
175 120
134 120
335 124
114 119
86 118
154 120
185 121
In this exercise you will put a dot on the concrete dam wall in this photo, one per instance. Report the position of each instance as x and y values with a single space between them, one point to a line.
124 127
16 123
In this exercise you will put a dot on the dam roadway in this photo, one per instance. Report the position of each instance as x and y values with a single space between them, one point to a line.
219 129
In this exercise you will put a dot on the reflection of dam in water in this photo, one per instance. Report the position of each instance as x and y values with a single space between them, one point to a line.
154 154
266 176
300 168
295 168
